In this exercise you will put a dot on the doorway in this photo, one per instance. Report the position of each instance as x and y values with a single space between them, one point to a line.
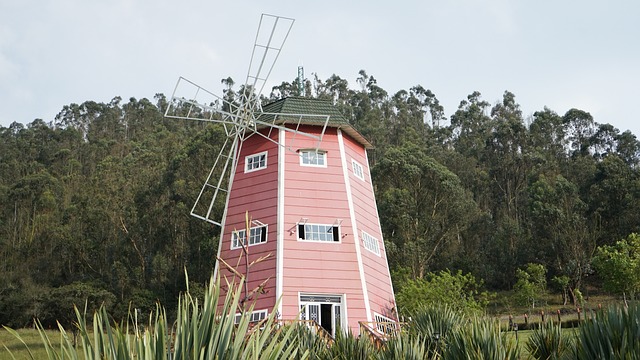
325 310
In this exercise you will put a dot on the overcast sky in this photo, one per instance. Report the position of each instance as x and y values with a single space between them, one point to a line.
560 54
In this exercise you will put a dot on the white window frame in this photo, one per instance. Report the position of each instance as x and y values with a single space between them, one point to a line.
371 243
305 230
253 159
320 154
254 316
254 238
358 169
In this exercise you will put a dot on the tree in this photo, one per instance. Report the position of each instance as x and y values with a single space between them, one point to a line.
619 265
425 204
531 284
579 128
560 226
461 292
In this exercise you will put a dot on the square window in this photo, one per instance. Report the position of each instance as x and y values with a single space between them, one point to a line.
319 232
255 162
358 170
312 157
257 235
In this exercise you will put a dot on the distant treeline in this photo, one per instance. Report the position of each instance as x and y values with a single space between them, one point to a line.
94 204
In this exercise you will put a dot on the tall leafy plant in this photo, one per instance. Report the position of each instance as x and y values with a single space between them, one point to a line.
548 342
612 333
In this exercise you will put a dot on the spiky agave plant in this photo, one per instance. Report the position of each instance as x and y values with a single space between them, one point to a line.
611 333
549 342
434 325
480 339
348 347
406 347
201 331
308 341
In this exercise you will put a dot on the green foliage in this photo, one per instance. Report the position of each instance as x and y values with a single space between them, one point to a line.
60 303
549 342
425 206
433 325
460 292
612 333
406 348
619 265
531 284
561 284
480 339
346 346
436 320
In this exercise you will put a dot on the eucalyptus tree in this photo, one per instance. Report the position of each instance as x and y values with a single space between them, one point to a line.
564 239
579 129
547 141
614 194
471 126
425 207
506 152
629 149
430 106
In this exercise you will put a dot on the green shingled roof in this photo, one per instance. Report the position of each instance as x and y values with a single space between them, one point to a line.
306 111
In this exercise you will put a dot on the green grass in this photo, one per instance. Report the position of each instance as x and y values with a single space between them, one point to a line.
31 337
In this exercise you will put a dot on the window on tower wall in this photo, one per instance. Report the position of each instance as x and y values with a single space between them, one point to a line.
254 316
313 157
319 232
358 170
371 243
255 162
257 235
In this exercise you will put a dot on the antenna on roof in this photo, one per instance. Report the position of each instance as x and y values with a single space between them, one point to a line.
301 80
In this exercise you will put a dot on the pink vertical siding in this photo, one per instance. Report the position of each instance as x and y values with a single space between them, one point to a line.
320 195
256 193
376 268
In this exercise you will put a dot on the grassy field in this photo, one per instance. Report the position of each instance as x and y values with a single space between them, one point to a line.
31 337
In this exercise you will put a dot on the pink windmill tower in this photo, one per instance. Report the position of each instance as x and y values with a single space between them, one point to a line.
301 172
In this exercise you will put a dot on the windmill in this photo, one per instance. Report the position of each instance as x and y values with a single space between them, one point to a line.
301 170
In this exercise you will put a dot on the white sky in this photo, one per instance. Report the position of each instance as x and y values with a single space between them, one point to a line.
555 53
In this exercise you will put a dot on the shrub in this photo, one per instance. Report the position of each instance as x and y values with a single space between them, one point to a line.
461 292
531 284
548 342
480 339
611 333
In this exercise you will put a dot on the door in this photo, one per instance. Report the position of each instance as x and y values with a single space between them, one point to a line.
325 310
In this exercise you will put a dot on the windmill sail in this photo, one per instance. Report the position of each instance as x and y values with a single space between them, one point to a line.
193 102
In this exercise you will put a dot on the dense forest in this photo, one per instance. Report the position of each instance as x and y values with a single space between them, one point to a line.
95 203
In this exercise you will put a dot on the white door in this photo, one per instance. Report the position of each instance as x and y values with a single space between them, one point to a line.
325 310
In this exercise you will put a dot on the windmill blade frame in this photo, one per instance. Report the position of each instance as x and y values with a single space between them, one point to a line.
191 101
228 153
264 55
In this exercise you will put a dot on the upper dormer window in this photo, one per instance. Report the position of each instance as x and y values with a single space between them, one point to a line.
255 162
313 157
